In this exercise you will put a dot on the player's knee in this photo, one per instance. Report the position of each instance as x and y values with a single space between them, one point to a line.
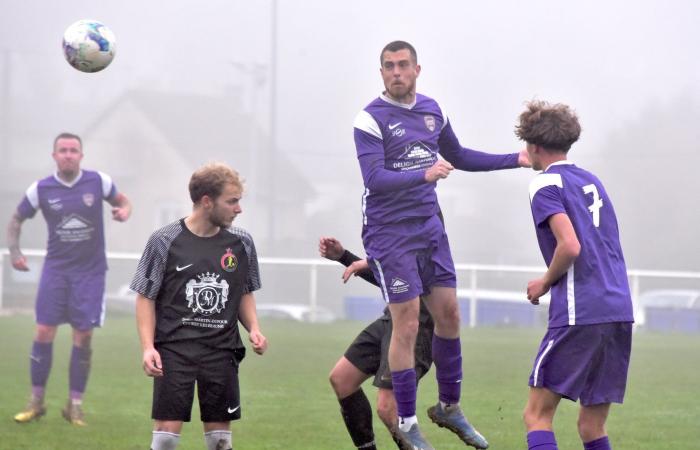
45 334
450 316
536 418
82 338
338 383
83 341
408 329
590 430
333 379
527 417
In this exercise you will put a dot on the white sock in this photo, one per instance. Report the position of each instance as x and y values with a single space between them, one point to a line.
405 423
162 440
218 440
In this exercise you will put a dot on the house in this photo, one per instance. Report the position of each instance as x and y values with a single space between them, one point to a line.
151 142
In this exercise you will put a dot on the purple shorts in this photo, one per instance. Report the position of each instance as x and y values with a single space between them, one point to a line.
74 298
409 258
586 362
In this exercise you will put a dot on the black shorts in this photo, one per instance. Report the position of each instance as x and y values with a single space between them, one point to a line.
216 375
369 352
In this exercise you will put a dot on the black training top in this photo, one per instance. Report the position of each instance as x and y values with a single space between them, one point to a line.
197 283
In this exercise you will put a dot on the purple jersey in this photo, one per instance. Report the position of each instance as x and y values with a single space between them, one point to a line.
73 214
595 289
395 144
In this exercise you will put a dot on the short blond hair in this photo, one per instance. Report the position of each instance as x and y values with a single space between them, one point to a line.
211 179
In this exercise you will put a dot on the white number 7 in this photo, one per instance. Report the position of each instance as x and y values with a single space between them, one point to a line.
594 208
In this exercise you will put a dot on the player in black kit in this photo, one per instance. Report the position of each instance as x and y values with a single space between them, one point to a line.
367 356
194 283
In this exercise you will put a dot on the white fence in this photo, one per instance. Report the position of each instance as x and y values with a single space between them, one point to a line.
474 273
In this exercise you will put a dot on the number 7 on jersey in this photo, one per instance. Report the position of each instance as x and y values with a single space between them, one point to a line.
594 208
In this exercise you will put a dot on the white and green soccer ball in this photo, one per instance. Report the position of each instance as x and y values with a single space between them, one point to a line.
88 45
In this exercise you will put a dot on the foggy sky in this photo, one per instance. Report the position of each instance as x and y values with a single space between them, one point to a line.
610 60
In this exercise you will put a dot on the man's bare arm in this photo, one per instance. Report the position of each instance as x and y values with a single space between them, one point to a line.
121 207
14 229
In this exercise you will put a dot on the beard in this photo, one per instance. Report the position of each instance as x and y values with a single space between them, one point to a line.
400 91
220 220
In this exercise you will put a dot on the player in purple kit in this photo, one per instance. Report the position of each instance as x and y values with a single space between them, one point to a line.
585 352
194 283
398 138
73 277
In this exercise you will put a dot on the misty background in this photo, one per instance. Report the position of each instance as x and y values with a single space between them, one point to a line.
272 88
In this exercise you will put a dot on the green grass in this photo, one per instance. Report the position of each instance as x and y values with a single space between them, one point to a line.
288 404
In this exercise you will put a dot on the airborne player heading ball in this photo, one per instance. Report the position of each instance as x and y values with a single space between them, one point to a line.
399 138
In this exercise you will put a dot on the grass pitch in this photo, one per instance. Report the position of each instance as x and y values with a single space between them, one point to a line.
287 402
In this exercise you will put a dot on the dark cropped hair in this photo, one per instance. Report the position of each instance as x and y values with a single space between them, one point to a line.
211 179
395 46
554 127
67 136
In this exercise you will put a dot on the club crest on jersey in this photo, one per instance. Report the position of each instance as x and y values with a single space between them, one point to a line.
88 199
206 296
429 122
229 262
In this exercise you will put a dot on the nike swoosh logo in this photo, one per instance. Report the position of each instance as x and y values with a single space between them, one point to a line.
233 410
35 358
391 127
54 200
179 269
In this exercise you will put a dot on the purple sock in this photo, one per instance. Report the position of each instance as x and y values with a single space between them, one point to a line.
404 383
599 444
447 355
38 392
40 366
541 440
79 371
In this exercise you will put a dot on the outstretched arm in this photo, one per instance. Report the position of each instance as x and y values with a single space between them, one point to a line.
473 160
332 249
14 228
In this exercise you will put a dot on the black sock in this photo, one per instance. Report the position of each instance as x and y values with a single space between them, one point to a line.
357 414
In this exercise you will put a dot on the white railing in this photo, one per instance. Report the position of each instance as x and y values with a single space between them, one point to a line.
472 271
313 265
634 276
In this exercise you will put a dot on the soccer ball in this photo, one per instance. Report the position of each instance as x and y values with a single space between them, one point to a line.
88 45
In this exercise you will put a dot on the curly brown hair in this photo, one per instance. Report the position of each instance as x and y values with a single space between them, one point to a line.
211 179
554 127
